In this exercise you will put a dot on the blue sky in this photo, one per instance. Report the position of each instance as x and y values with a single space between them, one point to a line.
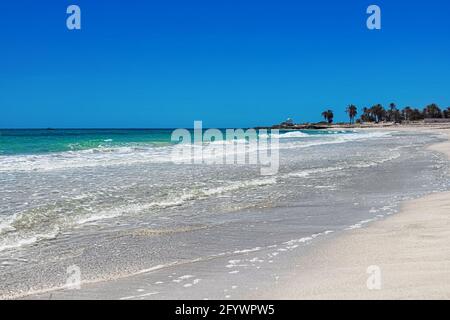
228 63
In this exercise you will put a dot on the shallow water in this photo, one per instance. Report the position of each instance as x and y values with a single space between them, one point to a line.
116 210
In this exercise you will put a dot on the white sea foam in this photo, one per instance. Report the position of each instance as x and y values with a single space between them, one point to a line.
12 238
308 172
177 199
361 224
292 134
126 155
24 240
139 296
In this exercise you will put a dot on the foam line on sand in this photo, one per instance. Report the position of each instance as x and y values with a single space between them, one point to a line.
405 256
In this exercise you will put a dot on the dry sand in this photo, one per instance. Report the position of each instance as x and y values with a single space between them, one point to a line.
411 251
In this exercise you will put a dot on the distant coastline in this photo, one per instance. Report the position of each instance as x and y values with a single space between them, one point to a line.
431 123
374 117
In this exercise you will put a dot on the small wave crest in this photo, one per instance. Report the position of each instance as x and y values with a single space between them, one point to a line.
105 156
292 134
46 222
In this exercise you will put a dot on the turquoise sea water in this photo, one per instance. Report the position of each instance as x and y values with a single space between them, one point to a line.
41 141
60 140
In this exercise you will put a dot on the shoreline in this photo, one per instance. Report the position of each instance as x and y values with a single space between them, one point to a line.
406 254
131 286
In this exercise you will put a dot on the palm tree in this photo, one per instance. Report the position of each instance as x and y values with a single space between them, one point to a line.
352 112
378 112
447 113
407 113
392 111
432 111
367 115
416 115
328 115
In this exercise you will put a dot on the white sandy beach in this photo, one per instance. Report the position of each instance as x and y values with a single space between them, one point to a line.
411 250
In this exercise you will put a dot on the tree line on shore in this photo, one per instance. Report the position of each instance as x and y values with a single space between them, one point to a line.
378 113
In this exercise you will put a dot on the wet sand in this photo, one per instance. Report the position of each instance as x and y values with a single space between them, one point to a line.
405 256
